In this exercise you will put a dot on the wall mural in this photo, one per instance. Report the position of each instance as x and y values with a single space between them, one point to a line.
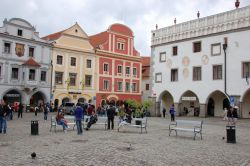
204 59
185 61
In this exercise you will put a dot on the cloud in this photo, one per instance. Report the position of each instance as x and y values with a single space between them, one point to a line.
95 16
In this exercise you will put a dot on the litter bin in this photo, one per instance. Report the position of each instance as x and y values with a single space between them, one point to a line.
231 134
34 127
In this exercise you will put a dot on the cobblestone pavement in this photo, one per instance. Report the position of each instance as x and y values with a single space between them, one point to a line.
99 147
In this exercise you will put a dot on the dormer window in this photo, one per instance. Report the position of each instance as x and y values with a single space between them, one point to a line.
19 32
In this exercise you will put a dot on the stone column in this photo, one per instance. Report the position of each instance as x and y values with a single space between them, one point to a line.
203 110
177 109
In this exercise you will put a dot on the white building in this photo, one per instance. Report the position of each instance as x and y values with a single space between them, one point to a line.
188 64
24 63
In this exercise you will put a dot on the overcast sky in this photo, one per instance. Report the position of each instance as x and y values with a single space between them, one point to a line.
94 16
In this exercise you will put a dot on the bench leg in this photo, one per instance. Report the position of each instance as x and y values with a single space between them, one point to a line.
141 130
176 133
169 132
201 135
194 135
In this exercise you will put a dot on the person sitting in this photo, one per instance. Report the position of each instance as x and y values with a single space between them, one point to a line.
61 121
92 120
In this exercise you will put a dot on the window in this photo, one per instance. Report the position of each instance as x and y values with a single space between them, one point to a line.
163 57
175 50
7 48
197 73
127 87
134 71
174 75
216 49
147 86
43 75
32 74
14 74
31 51
58 77
120 46
158 78
134 87
59 60
73 61
217 72
88 80
20 32
246 70
197 46
88 63
106 85
127 70
106 67
119 86
72 79
119 69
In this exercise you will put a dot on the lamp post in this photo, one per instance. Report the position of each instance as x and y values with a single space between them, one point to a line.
224 46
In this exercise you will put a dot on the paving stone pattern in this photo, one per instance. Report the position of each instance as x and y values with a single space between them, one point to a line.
98 147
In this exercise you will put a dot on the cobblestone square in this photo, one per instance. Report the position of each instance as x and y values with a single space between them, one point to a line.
99 147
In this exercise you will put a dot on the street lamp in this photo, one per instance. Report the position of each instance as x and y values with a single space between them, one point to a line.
224 46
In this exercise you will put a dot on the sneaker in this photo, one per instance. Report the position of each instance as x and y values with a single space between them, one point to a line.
68 127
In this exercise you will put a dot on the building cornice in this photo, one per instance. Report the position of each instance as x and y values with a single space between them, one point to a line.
215 24
24 39
108 54
60 48
204 36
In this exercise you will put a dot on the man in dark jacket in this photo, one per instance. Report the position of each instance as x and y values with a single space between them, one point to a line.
111 115
79 117
3 114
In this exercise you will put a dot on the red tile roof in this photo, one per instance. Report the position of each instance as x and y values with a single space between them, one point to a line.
53 36
31 62
145 66
98 39
145 61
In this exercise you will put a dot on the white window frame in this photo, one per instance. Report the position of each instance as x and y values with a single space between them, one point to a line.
87 63
120 46
57 61
127 89
106 72
134 87
34 75
158 75
104 87
119 89
4 47
71 61
163 56
17 73
45 76
118 69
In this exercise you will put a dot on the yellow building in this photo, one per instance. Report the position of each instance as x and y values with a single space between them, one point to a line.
74 67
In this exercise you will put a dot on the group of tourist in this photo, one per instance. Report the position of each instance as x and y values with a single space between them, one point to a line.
231 115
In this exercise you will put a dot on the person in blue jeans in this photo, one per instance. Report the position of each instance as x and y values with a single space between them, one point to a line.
78 118
172 112
3 114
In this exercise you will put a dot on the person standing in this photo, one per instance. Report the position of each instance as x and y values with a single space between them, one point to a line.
46 110
172 112
3 114
36 110
20 110
164 112
225 114
111 115
78 118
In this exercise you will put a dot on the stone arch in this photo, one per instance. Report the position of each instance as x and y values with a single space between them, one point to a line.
13 95
216 101
81 100
245 104
189 101
37 98
166 100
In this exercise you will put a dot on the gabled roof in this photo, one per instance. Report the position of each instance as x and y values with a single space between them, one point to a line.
31 62
98 39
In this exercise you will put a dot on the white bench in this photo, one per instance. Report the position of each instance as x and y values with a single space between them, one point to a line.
143 124
186 125
70 121
101 120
